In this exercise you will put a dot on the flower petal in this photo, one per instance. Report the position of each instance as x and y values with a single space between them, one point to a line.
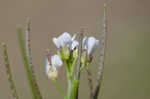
96 44
65 39
56 61
47 66
74 37
56 42
84 42
74 44
92 45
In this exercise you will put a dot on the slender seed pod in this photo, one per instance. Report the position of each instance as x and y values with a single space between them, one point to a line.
100 77
29 55
8 71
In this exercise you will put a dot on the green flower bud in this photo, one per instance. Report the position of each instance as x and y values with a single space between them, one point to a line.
75 53
66 53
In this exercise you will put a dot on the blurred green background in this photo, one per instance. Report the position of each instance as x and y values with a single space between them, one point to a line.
127 67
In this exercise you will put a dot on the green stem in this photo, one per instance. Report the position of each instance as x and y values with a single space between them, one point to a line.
26 63
69 80
69 88
77 76
75 87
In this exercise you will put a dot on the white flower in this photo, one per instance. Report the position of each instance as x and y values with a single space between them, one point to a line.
64 40
47 65
74 44
52 65
90 44
56 61
84 43
73 38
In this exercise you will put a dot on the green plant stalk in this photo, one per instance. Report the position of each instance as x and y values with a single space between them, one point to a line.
75 86
77 75
26 63
69 88
8 71
69 80
101 72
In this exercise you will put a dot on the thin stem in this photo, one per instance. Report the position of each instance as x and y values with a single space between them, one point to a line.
8 71
69 80
79 62
26 63
89 74
59 88
69 88
29 55
100 77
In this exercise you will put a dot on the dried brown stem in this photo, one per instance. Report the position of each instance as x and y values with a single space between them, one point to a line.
89 75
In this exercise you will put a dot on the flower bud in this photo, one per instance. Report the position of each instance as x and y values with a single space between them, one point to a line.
92 45
66 53
52 74
75 53
89 45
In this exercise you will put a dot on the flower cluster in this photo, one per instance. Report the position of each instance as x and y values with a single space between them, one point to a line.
68 52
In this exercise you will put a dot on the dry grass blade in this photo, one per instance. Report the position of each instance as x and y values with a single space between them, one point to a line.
8 71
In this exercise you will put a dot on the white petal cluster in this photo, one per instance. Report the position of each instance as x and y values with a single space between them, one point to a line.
65 40
90 44
67 51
